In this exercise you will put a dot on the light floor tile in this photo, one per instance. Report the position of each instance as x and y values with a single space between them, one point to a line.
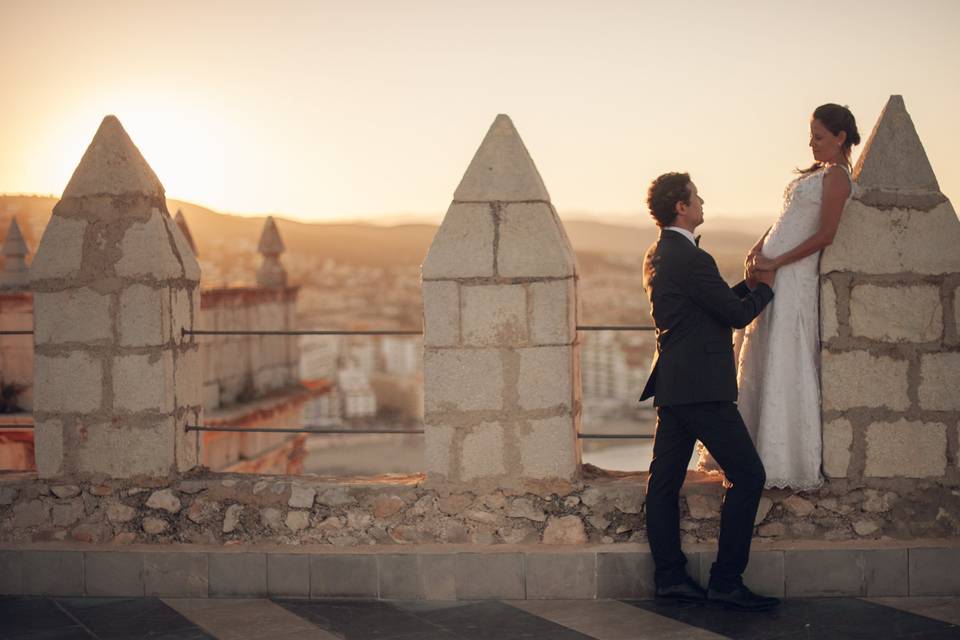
246 619
612 620
943 608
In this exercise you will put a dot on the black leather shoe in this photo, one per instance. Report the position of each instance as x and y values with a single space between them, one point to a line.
741 599
686 591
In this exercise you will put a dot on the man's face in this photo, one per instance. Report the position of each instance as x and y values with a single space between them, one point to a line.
692 212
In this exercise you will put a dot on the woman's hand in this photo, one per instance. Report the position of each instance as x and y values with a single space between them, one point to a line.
760 262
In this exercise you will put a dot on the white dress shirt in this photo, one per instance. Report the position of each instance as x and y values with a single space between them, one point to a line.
684 233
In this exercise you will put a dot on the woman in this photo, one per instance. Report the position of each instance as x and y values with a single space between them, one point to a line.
778 375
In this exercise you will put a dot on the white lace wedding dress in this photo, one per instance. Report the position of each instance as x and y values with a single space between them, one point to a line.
778 373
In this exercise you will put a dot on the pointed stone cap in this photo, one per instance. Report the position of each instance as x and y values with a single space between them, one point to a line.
185 230
502 169
112 165
270 241
13 244
893 157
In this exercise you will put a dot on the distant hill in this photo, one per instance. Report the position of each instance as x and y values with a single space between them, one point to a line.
379 245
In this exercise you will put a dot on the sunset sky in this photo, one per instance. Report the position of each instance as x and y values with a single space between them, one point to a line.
327 110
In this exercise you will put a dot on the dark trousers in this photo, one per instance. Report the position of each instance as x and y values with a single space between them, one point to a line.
719 426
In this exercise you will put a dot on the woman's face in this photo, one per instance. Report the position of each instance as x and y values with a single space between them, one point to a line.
826 146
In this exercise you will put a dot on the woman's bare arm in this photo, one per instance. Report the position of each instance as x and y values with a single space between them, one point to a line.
836 189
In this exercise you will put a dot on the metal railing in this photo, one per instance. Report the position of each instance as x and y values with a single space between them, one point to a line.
342 332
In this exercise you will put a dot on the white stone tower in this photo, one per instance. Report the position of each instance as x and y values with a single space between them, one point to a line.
15 274
501 358
115 381
271 274
890 301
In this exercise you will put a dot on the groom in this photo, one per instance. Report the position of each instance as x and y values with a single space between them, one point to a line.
694 385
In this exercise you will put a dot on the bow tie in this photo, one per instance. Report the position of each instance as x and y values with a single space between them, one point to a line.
696 240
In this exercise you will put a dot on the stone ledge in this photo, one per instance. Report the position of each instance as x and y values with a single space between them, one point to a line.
468 572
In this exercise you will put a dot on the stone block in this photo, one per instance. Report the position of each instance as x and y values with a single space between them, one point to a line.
859 379
628 575
52 573
146 252
829 318
48 447
441 313
176 574
494 315
288 575
532 243
764 573
238 575
885 572
71 383
934 572
144 316
60 253
399 577
553 312
568 576
124 451
76 315
490 576
448 373
113 573
820 573
438 444
501 169
900 241
184 313
837 443
343 576
546 378
188 373
482 454
940 381
463 245
549 448
191 268
896 314
187 444
438 573
11 573
906 449
144 382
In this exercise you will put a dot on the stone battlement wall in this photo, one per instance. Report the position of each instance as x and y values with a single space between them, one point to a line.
501 377
241 368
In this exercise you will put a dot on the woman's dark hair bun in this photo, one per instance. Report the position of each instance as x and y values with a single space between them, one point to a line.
839 118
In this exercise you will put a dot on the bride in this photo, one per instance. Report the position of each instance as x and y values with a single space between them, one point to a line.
778 380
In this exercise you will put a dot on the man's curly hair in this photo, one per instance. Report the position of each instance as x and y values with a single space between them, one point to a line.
664 194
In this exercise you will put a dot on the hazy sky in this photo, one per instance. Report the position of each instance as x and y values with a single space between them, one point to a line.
337 109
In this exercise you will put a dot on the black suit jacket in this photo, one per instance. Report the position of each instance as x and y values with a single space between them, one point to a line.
695 312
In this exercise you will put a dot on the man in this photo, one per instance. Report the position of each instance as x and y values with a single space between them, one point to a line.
694 385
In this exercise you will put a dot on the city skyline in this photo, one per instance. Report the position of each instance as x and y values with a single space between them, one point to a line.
321 112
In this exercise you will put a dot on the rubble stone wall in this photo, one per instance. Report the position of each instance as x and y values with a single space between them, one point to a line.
247 509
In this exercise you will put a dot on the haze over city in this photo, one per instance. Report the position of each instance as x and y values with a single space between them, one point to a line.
325 111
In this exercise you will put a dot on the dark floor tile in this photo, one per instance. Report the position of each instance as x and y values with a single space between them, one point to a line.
22 615
122 618
492 620
69 633
841 618
362 619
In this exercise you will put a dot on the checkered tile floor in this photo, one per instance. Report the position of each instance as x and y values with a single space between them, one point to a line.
36 618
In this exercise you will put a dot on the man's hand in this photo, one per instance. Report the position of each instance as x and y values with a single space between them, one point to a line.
766 277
